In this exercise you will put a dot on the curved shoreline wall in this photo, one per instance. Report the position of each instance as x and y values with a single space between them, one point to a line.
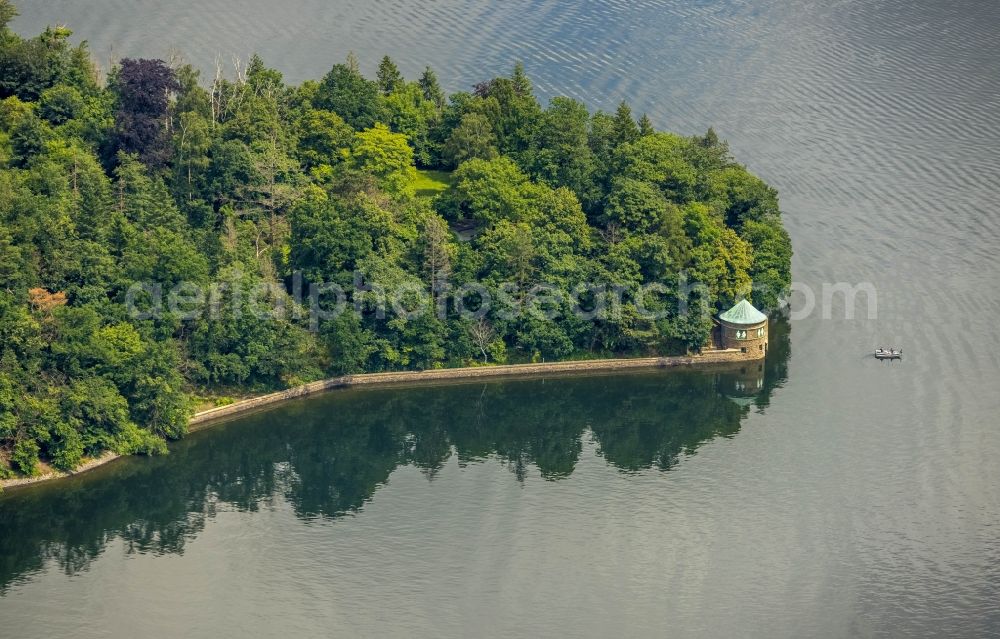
208 417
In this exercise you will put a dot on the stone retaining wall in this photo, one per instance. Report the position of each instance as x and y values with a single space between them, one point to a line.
474 372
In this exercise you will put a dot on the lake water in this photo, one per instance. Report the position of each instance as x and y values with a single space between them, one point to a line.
843 497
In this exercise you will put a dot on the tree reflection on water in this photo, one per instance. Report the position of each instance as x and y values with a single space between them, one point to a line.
327 456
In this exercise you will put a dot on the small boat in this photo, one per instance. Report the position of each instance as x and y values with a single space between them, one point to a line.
888 353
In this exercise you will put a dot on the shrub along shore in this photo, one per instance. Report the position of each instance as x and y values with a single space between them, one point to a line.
212 416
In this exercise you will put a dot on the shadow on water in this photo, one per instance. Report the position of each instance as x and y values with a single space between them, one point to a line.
327 456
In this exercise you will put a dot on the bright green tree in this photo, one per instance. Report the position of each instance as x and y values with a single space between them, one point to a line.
387 157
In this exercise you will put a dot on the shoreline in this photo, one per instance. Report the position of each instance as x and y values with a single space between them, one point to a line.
206 418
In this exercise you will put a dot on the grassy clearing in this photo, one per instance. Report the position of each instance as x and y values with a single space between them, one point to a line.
430 183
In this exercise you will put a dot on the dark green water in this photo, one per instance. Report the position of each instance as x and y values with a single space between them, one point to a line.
850 498
324 491
318 497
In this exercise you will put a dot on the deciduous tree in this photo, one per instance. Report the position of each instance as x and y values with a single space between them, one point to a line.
143 88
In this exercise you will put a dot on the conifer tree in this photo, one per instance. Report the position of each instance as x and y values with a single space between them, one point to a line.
388 76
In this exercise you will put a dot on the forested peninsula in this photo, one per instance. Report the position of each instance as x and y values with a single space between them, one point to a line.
139 205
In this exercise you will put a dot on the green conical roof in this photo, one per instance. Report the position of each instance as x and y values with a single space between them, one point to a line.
743 313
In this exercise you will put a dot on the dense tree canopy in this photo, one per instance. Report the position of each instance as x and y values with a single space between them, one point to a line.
161 239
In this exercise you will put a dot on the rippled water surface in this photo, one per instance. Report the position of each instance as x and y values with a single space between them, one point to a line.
846 497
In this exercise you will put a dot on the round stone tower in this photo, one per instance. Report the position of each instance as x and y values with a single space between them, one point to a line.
744 328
